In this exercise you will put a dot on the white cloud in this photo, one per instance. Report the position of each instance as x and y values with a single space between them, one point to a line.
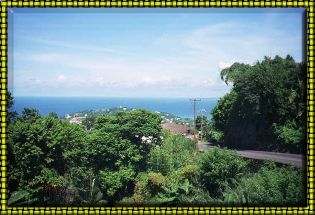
61 78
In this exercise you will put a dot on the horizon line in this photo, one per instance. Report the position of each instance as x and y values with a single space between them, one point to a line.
131 97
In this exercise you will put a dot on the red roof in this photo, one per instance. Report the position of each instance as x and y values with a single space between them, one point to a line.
176 128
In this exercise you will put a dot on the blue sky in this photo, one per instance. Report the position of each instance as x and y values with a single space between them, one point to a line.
142 52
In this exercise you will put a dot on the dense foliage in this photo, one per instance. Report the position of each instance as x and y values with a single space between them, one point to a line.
220 168
72 164
126 159
266 108
54 162
269 186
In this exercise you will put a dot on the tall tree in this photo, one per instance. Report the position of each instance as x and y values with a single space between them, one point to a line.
266 108
11 114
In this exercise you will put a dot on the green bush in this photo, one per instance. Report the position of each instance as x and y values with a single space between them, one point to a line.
172 176
148 185
214 135
156 181
174 152
182 192
159 160
113 183
141 191
79 180
271 185
190 172
289 137
220 168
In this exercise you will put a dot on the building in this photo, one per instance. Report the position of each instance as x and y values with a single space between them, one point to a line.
182 129
77 120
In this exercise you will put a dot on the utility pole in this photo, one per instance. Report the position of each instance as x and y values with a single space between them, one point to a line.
195 100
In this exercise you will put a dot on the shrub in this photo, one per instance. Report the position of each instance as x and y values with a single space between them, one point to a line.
112 183
270 185
183 193
219 168
175 152
156 180
189 171
141 191
159 160
289 137
148 185
214 135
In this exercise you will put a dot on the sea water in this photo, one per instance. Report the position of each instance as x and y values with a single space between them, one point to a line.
182 107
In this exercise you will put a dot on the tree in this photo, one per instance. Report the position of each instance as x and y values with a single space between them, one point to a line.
53 115
139 123
267 101
119 145
53 145
12 115
114 183
230 74
222 112
88 122
201 121
112 151
30 115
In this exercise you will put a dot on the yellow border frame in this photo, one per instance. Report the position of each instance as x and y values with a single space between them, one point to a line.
5 4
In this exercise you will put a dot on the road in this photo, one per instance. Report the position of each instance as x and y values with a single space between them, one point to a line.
296 160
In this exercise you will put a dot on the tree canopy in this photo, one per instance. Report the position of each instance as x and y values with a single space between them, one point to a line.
266 108
52 158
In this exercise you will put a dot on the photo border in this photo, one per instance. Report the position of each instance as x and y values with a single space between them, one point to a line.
308 5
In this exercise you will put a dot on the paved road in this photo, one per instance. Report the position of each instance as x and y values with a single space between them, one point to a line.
284 158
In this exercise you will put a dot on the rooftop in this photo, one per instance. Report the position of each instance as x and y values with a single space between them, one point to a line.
176 128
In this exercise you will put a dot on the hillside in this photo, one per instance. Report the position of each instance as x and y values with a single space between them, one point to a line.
166 117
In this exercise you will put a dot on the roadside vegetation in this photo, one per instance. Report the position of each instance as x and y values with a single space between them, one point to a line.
127 159
265 109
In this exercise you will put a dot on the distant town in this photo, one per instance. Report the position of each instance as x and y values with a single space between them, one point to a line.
167 118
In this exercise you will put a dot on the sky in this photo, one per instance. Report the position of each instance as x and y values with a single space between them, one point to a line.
142 52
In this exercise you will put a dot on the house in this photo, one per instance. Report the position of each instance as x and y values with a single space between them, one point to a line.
77 120
182 129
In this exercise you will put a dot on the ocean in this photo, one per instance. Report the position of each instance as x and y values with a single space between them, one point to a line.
181 107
